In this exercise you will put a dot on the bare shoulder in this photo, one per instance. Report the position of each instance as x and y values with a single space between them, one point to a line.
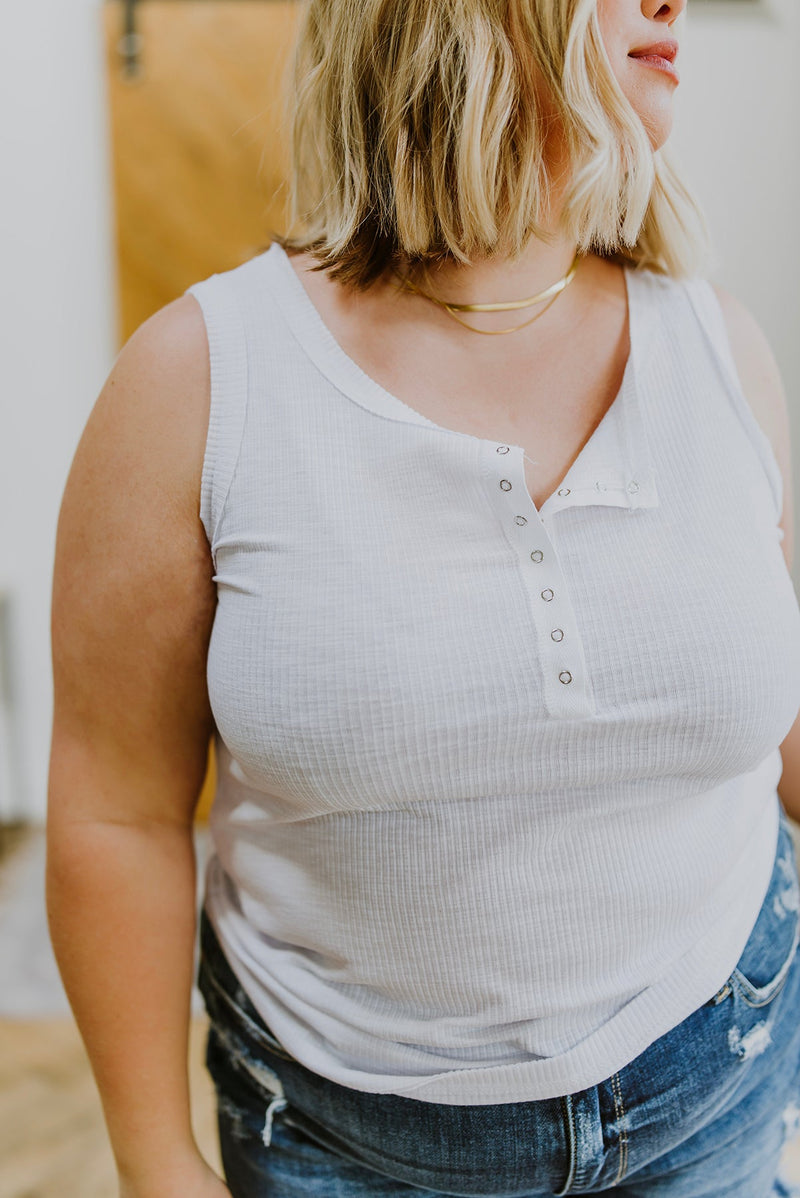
139 461
763 388
158 391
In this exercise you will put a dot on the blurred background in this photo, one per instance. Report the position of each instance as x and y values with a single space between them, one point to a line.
143 149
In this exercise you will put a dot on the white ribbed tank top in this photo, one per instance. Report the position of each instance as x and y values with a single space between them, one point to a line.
496 802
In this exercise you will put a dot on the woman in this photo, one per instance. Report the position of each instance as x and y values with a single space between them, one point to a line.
496 636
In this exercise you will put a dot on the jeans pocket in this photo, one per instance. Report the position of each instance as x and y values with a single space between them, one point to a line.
762 969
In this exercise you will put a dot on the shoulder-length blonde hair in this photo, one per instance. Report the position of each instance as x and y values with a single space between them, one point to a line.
416 136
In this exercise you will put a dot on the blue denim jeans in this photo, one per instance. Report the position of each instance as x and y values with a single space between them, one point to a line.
704 1111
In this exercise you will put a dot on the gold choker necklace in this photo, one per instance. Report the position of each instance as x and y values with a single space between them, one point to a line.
550 294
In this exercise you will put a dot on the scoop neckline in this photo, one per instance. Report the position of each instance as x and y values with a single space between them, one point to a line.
319 343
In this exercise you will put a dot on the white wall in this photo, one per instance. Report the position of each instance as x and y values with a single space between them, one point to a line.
736 131
57 318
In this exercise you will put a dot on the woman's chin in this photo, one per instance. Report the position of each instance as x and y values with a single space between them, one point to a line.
658 128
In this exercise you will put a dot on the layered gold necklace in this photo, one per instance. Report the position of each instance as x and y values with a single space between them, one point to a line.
547 297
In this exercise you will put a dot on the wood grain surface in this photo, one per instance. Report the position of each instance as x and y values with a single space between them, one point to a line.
198 141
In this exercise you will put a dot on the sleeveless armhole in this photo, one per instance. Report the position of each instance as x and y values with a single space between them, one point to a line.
709 312
228 368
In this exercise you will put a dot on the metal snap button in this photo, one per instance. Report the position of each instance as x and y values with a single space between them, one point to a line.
505 485
537 555
633 487
502 449
565 677
520 520
564 491
547 595
557 634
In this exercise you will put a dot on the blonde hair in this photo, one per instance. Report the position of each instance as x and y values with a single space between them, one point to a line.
416 136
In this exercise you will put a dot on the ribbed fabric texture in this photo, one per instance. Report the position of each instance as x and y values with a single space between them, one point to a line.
496 801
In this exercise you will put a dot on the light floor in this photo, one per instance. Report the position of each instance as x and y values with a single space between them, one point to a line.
52 1136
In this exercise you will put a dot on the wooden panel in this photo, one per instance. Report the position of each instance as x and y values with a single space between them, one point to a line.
198 150
198 142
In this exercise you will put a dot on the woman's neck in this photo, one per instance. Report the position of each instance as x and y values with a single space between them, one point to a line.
499 279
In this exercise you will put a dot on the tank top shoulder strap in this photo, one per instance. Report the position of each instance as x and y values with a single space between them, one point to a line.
708 311
228 361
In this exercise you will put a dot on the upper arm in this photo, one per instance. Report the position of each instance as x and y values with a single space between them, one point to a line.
133 591
764 390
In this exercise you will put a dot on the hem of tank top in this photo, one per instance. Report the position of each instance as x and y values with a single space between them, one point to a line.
644 999
523 1081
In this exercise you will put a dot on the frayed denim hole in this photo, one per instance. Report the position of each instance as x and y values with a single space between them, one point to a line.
791 1120
274 1107
231 1063
753 1043
229 1112
224 1011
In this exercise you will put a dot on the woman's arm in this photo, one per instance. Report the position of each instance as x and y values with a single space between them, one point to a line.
763 388
133 605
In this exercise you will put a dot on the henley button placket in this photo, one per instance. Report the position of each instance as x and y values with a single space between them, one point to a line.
613 470
548 594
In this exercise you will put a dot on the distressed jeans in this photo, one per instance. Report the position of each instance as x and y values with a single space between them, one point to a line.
702 1113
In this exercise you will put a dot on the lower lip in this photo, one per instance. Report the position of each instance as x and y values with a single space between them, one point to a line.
655 60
